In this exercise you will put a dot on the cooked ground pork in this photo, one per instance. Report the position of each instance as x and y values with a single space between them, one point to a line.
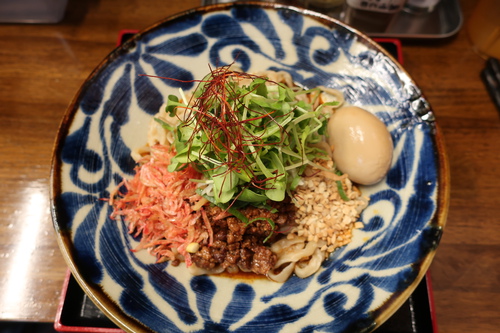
240 247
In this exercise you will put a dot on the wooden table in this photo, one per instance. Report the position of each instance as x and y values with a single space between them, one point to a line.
42 67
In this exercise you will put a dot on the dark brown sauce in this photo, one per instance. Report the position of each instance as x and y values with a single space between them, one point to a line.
247 276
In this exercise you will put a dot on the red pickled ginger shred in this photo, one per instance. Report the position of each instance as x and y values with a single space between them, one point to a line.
161 207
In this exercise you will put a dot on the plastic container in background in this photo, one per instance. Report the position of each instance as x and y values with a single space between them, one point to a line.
372 15
333 8
420 6
326 3
483 28
32 11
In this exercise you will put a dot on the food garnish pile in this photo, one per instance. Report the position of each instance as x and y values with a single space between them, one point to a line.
244 175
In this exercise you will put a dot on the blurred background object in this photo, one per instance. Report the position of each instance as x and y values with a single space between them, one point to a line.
326 3
420 6
333 8
483 28
32 11
372 15
288 2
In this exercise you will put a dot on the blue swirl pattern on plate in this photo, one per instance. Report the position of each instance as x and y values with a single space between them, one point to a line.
356 288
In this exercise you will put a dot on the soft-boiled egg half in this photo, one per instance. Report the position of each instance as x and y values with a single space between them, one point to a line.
362 145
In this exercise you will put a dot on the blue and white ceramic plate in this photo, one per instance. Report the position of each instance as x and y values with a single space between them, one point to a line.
358 288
